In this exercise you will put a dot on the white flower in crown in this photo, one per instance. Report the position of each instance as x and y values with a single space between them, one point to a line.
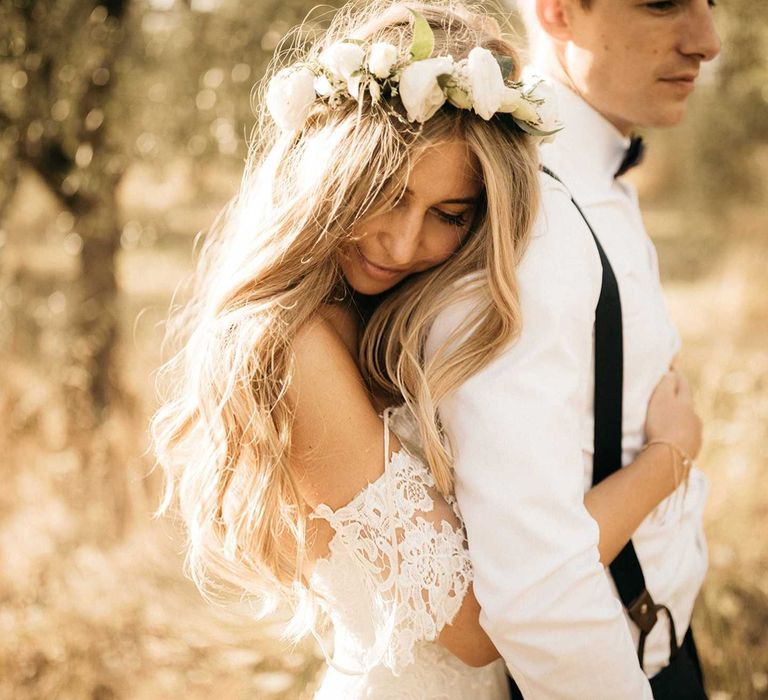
545 97
290 96
342 59
421 93
534 109
323 86
344 62
381 59
486 83
513 102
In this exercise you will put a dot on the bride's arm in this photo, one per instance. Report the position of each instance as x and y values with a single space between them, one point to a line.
622 501
337 436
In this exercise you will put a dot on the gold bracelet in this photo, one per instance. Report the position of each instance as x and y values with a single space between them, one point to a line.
675 452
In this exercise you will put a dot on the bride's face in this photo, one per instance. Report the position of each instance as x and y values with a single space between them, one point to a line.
423 229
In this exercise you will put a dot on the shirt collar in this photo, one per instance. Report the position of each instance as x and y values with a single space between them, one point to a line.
588 141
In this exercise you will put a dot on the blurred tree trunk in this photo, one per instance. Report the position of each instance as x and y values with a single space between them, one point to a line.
9 170
82 174
62 134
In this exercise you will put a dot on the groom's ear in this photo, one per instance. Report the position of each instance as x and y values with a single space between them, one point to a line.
554 16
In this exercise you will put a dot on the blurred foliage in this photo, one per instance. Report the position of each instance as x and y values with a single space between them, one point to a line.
181 75
732 125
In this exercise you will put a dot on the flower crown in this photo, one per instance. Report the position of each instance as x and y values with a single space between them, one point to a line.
347 69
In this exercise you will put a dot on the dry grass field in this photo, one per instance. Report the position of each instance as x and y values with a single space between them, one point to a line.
92 600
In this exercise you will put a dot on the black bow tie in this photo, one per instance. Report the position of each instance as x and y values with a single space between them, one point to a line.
633 156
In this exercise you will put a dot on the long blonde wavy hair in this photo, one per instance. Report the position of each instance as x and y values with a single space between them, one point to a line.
223 430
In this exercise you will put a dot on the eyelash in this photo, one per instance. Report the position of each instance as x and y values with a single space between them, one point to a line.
457 220
661 6
667 5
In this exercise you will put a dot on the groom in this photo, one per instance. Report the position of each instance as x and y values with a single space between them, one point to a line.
522 429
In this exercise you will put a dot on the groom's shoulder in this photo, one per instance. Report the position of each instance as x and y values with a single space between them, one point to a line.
559 275
557 215
560 243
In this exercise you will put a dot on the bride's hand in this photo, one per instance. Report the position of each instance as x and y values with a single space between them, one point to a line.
671 415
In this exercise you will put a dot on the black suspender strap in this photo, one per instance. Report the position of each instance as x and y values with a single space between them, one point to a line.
609 362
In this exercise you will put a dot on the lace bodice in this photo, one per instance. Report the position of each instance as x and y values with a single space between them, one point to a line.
396 573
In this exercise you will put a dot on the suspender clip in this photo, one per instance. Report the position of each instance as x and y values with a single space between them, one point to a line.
643 611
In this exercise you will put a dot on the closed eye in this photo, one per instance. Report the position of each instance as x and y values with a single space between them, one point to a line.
662 7
458 220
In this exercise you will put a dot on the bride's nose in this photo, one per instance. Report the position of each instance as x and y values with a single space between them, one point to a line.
401 234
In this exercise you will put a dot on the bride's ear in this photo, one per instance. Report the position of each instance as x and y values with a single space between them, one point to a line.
555 18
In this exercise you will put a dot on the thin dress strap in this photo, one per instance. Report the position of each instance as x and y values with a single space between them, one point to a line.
389 629
385 417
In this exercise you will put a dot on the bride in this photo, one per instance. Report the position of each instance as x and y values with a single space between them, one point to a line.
395 170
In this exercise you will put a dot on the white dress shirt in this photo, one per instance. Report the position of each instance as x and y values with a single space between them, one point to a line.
522 436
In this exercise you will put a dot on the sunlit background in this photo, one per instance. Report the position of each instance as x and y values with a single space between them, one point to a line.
122 132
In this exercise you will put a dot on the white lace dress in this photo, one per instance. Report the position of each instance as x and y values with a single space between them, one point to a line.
396 573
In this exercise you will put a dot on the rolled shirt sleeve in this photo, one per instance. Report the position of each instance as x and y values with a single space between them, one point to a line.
515 430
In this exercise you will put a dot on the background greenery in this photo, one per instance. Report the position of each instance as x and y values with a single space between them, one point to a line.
122 131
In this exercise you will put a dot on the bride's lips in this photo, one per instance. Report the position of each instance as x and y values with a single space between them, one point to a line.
385 274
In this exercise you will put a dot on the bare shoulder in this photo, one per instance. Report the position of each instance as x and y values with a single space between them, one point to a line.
325 366
344 321
337 435
321 332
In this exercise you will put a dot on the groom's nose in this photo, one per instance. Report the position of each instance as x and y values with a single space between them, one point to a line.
699 35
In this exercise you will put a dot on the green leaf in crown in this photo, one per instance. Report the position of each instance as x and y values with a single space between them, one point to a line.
529 128
506 65
423 39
